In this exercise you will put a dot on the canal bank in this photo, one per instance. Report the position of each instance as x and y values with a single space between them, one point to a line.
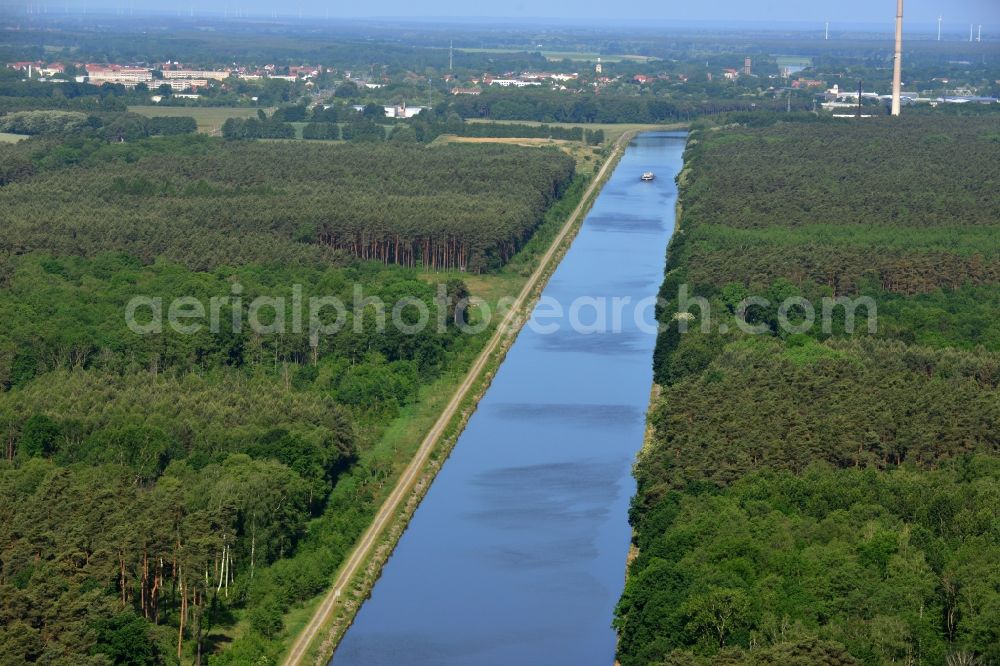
334 612
515 554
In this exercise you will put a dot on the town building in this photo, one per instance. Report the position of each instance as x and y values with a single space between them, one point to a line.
400 111
304 71
221 75
180 84
403 111
129 77
24 66
512 83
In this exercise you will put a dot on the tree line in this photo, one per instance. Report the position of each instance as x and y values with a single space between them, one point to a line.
558 107
110 126
255 128
207 202
432 123
914 211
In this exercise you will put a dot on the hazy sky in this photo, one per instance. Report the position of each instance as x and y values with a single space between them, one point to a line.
957 13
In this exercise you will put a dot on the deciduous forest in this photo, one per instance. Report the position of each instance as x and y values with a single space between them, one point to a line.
156 485
825 496
170 495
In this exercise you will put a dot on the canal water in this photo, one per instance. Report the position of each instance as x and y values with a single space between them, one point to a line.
517 553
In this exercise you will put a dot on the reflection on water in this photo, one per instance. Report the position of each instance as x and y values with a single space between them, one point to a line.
622 224
568 415
517 554
603 344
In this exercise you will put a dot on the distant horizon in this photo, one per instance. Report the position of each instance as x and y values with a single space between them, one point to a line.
854 14
953 31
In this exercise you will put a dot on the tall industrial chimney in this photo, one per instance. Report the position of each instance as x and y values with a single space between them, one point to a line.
897 65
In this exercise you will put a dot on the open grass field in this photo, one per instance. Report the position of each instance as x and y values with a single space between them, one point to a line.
514 141
584 155
612 131
11 138
568 55
209 118
298 129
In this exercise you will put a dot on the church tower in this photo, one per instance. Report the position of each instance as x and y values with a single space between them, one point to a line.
600 68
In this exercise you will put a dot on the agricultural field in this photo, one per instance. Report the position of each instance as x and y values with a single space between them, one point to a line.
6 137
812 495
209 119
585 157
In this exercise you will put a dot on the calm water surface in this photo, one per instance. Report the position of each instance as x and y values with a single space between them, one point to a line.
517 553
